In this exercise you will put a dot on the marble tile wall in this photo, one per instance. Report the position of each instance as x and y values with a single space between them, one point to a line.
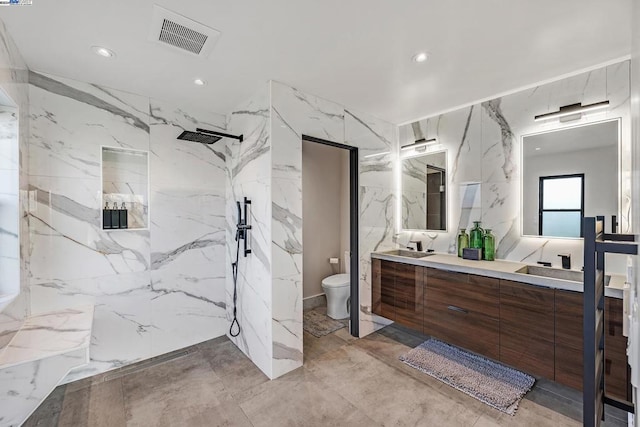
266 167
157 289
14 163
295 113
483 143
248 174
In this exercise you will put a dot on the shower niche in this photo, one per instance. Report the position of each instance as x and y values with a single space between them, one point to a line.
125 189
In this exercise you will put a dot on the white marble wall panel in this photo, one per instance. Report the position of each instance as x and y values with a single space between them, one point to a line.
14 92
32 383
493 158
155 290
187 230
248 174
377 200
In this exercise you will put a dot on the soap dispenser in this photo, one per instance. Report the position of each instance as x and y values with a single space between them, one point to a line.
124 216
106 217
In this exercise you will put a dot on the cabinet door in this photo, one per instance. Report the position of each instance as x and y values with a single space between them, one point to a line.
527 328
409 295
387 290
376 286
616 379
462 310
568 340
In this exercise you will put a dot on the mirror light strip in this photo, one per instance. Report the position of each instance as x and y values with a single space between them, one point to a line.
570 110
418 144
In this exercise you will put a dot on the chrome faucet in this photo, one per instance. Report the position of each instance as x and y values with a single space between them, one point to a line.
566 261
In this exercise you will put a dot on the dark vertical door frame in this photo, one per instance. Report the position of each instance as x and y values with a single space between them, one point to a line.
354 227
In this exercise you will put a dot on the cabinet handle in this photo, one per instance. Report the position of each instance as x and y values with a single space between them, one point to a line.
458 309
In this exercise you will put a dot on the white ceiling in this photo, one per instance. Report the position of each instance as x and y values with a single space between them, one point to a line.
355 52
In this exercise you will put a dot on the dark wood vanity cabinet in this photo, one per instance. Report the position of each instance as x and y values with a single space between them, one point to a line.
382 288
535 329
398 292
526 328
569 345
463 309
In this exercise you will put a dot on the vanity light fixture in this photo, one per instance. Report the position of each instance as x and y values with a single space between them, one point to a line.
572 110
419 144
103 51
370 156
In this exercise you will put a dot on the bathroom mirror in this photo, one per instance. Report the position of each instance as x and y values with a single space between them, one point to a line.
568 174
424 192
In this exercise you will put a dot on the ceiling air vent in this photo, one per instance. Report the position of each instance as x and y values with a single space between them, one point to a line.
182 33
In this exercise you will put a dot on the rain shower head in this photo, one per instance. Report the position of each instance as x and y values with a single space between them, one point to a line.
205 136
202 138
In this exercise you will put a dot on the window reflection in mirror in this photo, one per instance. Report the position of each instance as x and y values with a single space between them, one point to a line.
569 174
424 192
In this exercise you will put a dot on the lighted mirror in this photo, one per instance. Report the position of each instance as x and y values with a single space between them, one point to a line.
568 174
424 192
125 188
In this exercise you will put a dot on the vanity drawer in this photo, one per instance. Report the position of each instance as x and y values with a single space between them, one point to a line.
463 310
467 329
475 294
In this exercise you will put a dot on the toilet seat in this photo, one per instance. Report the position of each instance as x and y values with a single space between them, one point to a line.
337 281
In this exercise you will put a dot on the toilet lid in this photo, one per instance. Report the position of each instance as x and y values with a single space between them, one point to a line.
337 281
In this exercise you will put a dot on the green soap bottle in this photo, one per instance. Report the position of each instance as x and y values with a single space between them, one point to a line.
489 252
463 241
476 236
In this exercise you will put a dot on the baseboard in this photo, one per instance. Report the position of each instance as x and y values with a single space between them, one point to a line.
314 301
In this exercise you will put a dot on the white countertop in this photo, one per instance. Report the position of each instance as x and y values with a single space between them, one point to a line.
499 269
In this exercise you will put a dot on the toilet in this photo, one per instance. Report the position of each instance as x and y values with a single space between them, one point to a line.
337 289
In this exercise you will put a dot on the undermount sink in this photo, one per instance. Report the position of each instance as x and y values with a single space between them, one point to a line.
557 273
406 253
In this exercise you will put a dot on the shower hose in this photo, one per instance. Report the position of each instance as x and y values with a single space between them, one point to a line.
234 269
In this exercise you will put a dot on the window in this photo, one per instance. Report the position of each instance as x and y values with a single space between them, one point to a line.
561 205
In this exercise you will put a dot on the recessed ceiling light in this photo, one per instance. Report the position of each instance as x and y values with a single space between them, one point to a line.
103 51
420 57
199 82
537 148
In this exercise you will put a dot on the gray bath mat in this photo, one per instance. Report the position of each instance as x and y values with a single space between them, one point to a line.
490 382
318 324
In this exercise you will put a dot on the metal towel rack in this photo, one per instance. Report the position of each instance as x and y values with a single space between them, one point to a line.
596 244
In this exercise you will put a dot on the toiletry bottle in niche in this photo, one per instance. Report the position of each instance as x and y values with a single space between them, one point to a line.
106 217
115 216
124 216
489 252
476 236
463 241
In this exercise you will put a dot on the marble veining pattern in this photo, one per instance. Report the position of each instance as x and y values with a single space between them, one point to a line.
13 163
155 290
248 174
48 335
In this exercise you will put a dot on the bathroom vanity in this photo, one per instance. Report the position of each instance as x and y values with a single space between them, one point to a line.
502 311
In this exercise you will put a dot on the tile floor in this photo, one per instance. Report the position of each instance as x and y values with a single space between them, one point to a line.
344 382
